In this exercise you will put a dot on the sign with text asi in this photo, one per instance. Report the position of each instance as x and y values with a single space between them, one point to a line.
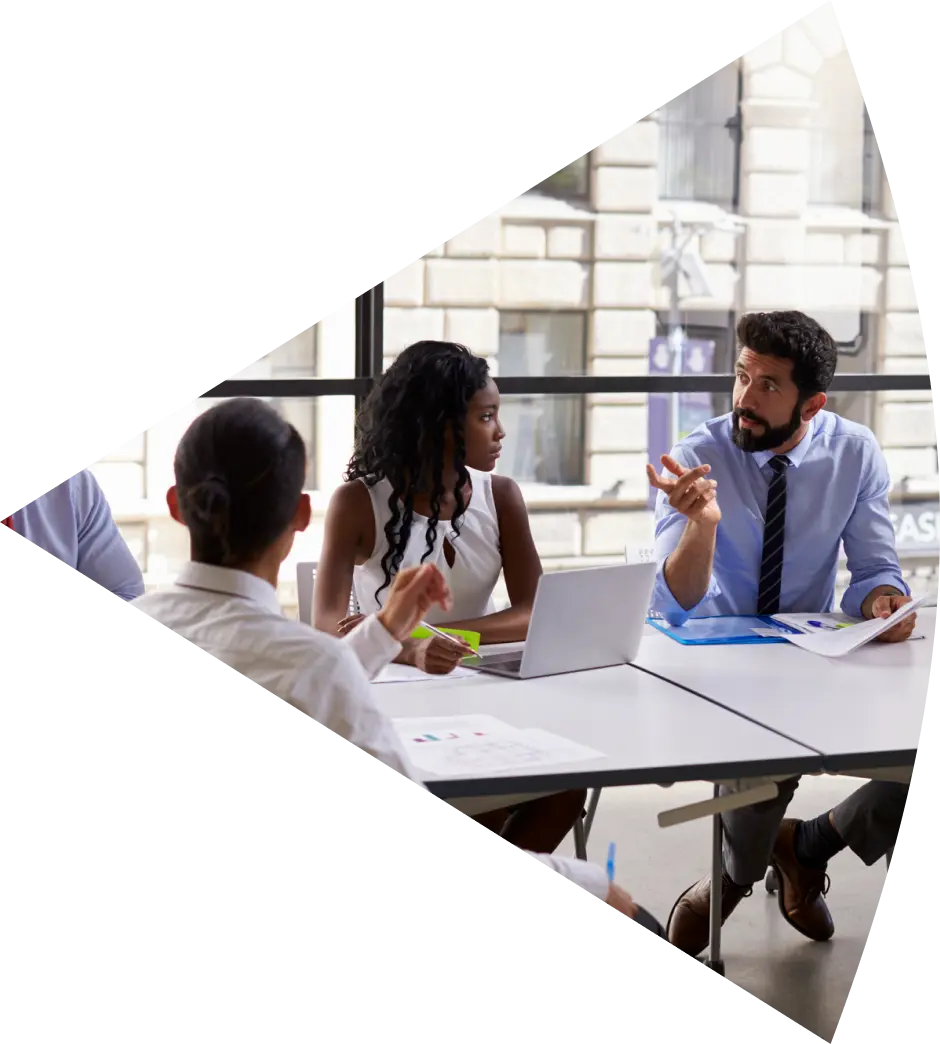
694 408
915 526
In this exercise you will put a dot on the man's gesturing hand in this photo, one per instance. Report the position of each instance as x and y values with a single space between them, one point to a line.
689 492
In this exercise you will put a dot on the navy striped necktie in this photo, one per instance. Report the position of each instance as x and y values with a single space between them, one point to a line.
771 563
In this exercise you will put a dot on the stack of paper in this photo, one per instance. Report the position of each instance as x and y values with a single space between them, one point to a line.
476 744
840 639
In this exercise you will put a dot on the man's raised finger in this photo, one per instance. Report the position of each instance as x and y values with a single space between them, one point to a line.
666 485
691 478
672 465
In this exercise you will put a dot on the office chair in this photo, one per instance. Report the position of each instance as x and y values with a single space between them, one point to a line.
306 576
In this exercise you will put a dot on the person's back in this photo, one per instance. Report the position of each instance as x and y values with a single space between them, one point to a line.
235 617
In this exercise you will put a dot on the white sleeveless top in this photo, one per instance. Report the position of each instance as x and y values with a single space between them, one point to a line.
477 558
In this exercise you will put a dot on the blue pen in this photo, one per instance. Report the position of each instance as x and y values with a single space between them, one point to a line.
822 626
611 858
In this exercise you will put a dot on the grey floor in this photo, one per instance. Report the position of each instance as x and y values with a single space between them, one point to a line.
806 981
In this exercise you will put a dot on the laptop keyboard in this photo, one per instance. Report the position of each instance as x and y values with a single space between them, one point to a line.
502 665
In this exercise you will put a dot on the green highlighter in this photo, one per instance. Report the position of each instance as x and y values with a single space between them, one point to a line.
472 638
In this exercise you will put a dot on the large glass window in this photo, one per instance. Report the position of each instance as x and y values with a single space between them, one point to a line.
697 141
544 434
569 284
837 136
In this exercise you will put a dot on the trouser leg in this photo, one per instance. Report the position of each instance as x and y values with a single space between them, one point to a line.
868 820
750 834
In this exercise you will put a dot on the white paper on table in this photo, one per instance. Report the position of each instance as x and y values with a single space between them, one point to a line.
498 752
847 639
403 672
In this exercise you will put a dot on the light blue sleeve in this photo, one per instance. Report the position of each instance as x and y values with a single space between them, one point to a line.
868 538
670 525
102 554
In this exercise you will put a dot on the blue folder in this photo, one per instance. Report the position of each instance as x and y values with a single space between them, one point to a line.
721 630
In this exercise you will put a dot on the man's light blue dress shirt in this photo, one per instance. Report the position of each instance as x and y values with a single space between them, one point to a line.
73 522
837 493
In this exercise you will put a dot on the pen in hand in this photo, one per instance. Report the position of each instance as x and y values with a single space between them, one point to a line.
611 861
442 634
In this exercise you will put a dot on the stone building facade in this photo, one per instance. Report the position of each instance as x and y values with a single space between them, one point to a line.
773 173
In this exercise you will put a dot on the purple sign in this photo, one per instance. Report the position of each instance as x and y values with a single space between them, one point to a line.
693 408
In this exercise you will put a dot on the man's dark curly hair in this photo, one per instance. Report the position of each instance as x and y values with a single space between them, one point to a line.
794 336
400 436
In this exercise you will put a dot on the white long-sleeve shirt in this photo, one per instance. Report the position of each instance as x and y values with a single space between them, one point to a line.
237 618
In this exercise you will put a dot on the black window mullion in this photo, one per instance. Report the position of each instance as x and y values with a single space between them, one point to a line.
378 330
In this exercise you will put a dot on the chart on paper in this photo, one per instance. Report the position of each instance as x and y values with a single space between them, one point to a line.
469 745
447 728
841 641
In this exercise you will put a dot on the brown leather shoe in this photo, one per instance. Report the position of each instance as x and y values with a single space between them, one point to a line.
801 889
687 928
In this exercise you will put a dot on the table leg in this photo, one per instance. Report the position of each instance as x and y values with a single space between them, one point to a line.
714 960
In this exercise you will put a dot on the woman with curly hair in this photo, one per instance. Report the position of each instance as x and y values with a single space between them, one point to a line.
419 488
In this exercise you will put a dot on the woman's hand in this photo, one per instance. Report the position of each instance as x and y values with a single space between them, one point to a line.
414 591
345 626
435 655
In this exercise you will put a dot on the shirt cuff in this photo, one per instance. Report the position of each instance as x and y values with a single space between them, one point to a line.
664 601
856 593
588 876
373 645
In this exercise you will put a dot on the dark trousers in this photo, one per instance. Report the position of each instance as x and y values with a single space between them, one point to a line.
868 822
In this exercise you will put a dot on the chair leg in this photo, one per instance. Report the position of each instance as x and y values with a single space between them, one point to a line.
580 841
591 809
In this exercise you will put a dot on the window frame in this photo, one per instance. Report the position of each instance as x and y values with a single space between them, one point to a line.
581 434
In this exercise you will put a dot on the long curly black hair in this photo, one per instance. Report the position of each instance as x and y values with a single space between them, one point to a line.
400 436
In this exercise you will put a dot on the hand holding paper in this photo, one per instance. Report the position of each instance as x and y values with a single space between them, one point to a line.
847 639
886 604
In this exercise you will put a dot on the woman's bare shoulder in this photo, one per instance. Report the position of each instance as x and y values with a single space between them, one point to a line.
351 501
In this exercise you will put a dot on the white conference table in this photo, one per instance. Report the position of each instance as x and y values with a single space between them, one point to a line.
714 713
860 712
649 730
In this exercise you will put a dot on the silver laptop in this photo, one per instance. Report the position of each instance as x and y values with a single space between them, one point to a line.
582 619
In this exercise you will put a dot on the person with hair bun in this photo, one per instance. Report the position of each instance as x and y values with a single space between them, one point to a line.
239 473
419 488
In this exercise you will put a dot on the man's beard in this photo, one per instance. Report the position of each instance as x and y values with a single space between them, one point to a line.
770 438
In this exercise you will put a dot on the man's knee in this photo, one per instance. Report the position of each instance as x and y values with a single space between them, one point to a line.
786 788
